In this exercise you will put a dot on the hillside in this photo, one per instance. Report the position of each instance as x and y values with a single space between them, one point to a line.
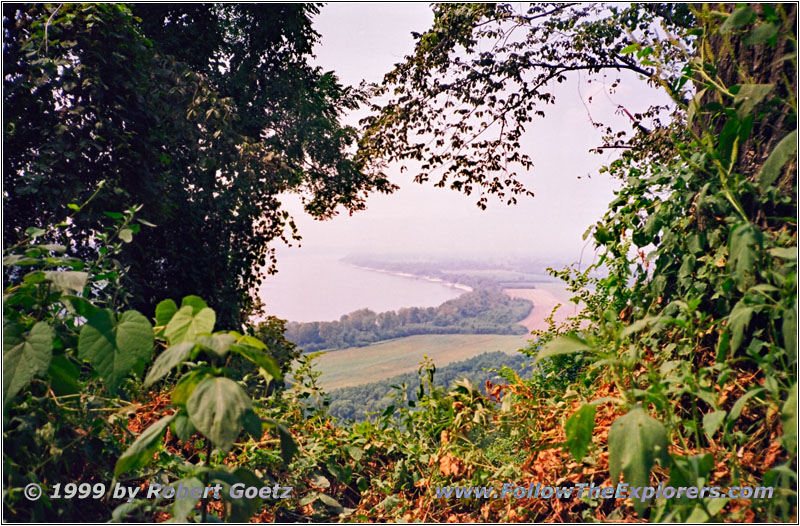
148 153
375 362
355 402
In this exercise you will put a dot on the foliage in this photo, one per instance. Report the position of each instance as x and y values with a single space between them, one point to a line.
461 109
356 402
206 133
483 311
681 368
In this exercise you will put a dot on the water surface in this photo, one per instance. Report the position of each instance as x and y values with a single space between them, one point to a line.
323 288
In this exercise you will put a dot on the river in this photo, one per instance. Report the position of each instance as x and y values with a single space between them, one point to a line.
323 288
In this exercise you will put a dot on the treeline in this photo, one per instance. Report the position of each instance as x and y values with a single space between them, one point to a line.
483 311
354 402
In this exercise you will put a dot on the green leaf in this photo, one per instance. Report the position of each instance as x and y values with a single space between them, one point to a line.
761 34
252 342
748 97
216 408
64 376
355 452
67 280
699 514
252 424
219 344
627 50
579 428
563 345
740 17
165 310
60 249
788 253
81 306
260 359
196 302
25 355
789 417
737 408
185 325
171 357
141 451
187 384
738 320
635 441
182 427
694 106
783 152
712 421
288 445
183 506
745 241
126 234
112 346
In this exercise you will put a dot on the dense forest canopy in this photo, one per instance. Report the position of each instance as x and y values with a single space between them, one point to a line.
205 133
143 162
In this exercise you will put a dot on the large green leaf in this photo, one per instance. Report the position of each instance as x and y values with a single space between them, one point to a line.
182 426
579 428
67 280
196 302
219 344
187 384
635 441
712 421
738 320
185 325
64 376
216 409
260 359
738 18
748 97
114 347
171 357
141 451
25 355
562 345
288 445
784 151
745 241
183 506
165 310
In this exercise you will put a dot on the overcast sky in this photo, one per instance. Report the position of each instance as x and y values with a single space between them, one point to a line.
363 41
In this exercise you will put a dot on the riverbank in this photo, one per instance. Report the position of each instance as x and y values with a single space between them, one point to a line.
438 281
544 298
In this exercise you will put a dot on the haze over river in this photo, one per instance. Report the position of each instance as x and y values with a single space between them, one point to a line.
323 288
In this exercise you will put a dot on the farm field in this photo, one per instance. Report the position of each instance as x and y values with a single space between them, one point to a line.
359 365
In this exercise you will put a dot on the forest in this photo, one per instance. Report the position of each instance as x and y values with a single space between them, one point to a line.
148 153
483 311
355 403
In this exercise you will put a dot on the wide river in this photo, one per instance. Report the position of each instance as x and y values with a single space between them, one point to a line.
322 288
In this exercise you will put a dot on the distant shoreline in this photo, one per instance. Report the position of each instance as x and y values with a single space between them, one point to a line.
439 281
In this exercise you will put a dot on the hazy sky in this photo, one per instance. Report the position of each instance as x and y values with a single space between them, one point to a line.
363 41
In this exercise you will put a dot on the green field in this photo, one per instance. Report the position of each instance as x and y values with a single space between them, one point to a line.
358 365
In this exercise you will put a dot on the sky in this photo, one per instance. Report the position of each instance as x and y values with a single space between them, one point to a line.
362 41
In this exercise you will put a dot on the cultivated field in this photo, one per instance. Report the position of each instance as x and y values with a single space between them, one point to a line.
359 365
